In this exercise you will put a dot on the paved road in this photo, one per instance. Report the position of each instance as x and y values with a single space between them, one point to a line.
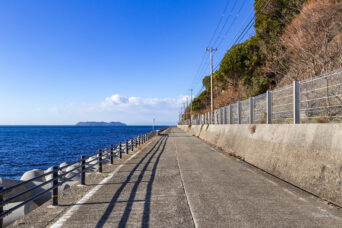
180 181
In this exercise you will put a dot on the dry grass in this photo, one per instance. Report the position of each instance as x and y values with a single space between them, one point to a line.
311 44
322 119
252 129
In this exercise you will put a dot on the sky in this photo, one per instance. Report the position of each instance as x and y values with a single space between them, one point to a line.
65 61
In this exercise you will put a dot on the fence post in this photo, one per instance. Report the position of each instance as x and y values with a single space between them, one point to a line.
230 109
111 154
139 140
1 206
55 186
269 107
251 110
100 161
120 150
132 146
83 164
216 116
225 115
126 147
296 102
239 112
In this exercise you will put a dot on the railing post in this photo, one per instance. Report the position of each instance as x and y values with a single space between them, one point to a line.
111 154
251 110
132 146
1 206
230 114
296 102
225 115
239 111
221 115
138 140
83 165
126 147
100 161
55 186
120 151
269 107
215 116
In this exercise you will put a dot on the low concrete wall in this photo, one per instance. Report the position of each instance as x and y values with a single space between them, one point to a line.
306 155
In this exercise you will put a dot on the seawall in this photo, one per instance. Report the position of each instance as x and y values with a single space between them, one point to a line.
306 155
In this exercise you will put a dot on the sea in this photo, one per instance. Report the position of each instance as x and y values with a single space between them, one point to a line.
23 148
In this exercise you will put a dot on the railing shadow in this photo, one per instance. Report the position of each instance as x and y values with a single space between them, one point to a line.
145 221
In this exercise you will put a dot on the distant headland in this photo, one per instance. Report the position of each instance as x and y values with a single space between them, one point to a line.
93 123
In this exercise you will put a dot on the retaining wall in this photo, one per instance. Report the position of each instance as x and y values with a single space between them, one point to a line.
306 155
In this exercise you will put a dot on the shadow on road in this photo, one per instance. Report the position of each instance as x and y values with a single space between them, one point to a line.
158 148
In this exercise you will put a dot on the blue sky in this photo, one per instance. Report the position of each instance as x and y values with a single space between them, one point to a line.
118 60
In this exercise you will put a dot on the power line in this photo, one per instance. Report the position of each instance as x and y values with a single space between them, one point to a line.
246 28
238 37
201 66
232 23
218 25
224 25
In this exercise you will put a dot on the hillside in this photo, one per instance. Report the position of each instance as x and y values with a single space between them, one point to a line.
295 39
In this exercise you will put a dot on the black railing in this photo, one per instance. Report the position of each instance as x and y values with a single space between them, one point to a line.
78 168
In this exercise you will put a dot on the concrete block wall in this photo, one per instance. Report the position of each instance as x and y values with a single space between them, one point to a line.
308 156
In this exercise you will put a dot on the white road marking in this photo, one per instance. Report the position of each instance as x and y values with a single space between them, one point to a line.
289 192
275 184
252 171
71 211
185 191
302 199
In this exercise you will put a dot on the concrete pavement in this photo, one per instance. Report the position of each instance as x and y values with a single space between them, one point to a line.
180 181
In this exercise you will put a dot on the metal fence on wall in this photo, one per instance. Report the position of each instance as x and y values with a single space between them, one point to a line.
314 100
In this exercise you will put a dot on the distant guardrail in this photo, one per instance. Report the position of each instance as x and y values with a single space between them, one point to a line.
314 100
60 175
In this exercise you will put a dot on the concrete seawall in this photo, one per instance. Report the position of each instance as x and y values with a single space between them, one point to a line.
306 155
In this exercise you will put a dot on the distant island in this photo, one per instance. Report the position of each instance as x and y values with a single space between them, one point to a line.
93 123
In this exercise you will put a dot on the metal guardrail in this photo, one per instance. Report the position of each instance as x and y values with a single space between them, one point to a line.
77 168
314 100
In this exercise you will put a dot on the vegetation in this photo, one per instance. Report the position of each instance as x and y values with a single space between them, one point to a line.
292 39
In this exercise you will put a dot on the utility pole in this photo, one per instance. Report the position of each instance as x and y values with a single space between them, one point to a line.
190 106
187 103
211 84
184 116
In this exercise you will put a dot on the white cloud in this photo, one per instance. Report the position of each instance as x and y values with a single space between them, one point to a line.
117 99
131 110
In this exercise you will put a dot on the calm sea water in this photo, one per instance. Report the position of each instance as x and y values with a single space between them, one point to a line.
23 148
